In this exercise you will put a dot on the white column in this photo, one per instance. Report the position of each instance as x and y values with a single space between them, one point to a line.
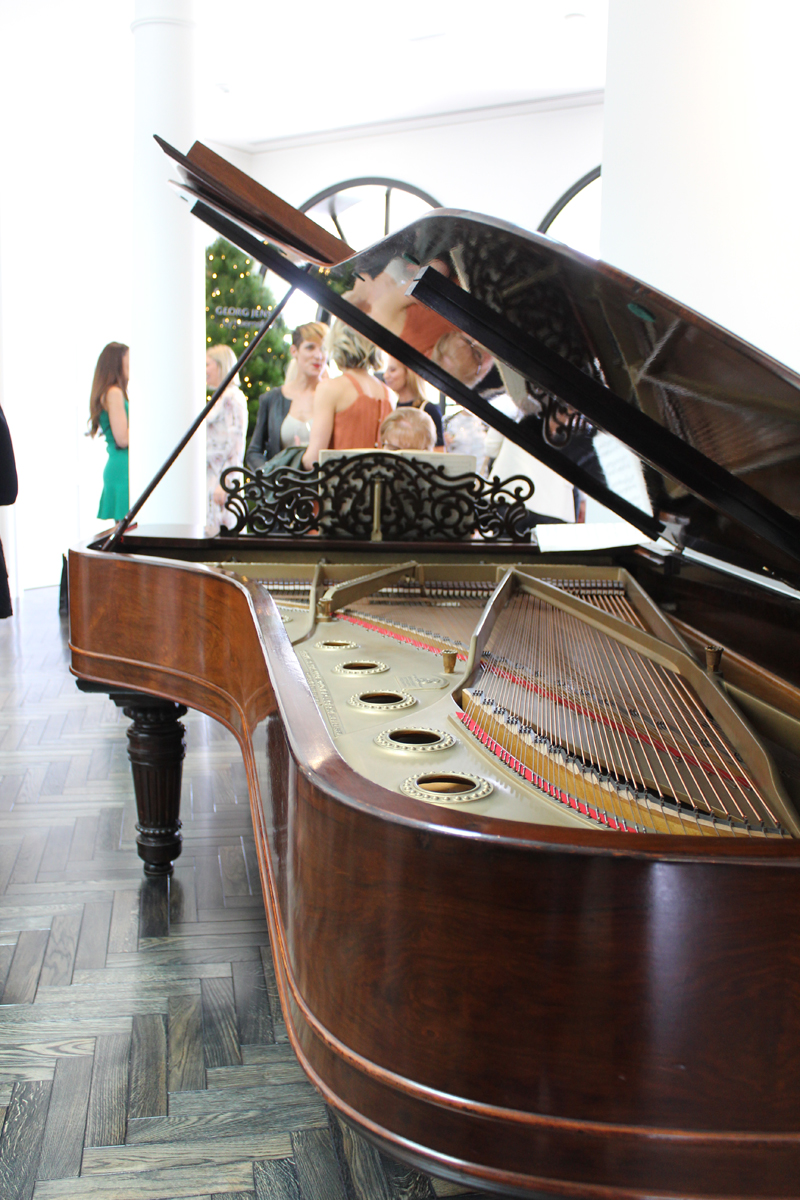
167 349
700 166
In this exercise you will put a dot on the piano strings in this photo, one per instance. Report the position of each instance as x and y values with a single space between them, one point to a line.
618 737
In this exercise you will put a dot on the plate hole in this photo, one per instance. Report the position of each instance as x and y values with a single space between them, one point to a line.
337 645
360 666
381 697
414 737
445 784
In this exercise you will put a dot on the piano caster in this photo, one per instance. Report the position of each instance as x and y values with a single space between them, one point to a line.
156 748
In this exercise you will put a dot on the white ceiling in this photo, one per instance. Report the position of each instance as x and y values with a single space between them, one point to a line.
268 72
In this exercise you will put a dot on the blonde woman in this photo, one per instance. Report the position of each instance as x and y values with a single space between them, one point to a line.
408 388
225 434
348 410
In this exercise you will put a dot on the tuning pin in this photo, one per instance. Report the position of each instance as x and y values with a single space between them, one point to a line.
713 659
449 660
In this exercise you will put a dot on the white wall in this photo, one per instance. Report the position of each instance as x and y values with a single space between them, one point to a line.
513 164
65 263
700 166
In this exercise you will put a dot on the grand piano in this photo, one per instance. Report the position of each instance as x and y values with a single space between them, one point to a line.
527 813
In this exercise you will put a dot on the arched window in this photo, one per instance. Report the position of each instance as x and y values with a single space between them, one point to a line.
574 219
360 212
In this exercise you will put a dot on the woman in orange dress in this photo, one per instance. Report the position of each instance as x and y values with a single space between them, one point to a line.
348 410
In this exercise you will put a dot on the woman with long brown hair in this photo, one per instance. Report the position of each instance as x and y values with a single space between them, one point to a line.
108 410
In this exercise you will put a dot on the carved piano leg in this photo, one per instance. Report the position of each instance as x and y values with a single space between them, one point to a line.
156 748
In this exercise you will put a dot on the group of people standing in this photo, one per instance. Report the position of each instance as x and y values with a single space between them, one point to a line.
309 412
342 413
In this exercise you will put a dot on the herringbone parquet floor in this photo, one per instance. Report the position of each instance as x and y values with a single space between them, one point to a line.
143 1055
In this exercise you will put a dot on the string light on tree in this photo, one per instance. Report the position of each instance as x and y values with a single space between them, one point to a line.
229 275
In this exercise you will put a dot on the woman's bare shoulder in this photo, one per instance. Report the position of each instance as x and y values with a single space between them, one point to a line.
331 390
114 395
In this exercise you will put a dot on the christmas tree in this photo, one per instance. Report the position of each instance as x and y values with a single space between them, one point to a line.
237 303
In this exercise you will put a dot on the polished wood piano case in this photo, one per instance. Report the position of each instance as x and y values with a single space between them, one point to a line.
540 1005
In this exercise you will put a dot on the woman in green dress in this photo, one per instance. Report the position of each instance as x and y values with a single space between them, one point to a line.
108 410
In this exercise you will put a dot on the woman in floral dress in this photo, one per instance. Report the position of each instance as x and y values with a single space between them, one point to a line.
225 435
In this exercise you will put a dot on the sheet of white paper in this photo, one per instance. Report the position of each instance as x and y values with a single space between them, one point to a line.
595 536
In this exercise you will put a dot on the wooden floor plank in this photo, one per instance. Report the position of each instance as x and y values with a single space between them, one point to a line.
148 1067
108 1114
252 1003
109 829
405 1183
29 857
6 955
102 1006
27 1022
28 1073
85 834
34 729
8 857
153 973
317 1166
31 785
166 1183
226 1100
21 1140
22 1049
268 1055
220 1040
234 871
209 881
276 1181
232 923
278 1024
62 1146
78 774
154 908
117 1160
258 1075
62 945
23 974
56 777
101 763
9 790
363 1163
188 952
124 934
280 1117
235 907
56 851
182 894
93 938
186 1061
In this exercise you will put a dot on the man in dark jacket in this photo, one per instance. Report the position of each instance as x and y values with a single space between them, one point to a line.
8 494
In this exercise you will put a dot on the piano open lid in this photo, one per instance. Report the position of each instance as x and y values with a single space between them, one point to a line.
713 423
